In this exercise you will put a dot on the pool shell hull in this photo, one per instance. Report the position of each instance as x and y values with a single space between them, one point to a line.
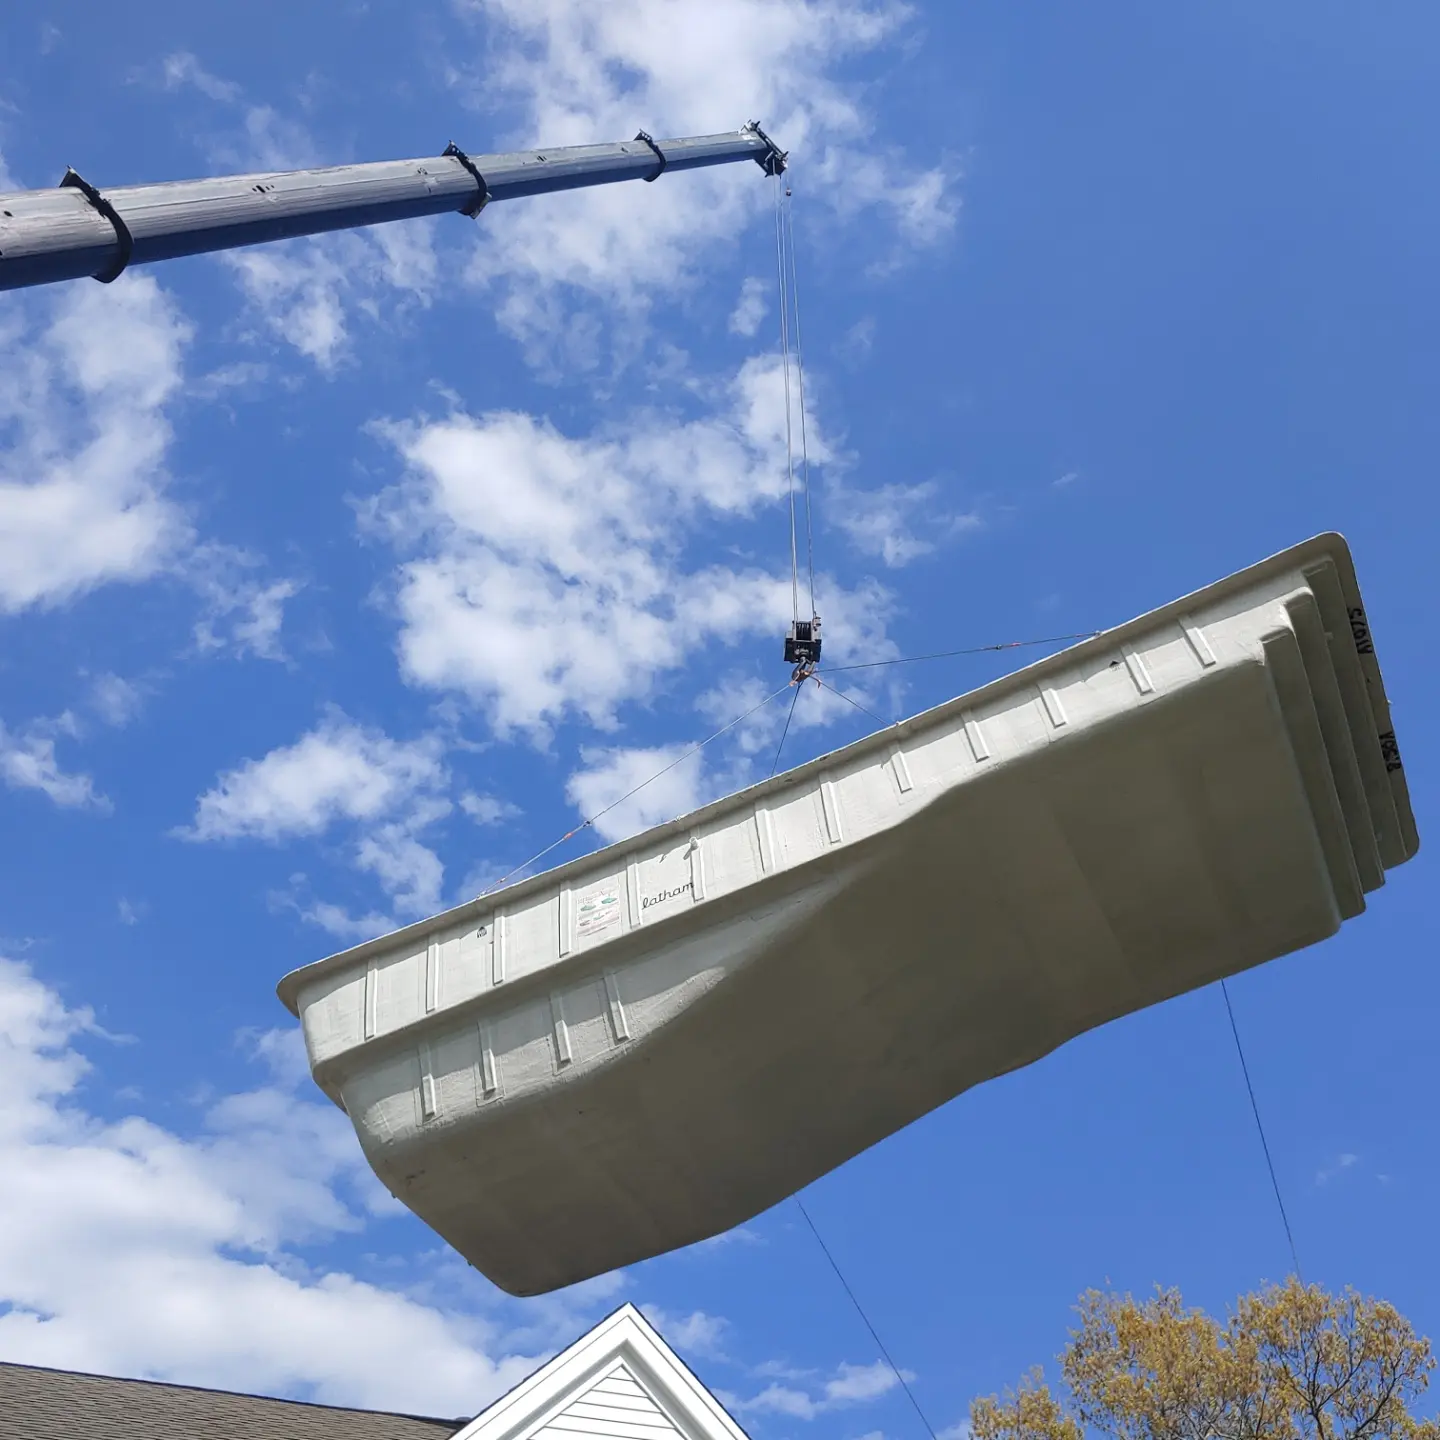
1193 794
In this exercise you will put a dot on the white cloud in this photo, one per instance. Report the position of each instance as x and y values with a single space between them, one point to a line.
88 379
672 780
261 608
307 292
751 308
783 1370
740 1235
409 872
487 809
753 743
850 1385
579 72
1338 1166
126 1248
855 1383
857 342
84 434
296 290
330 917
610 775
547 575
338 771
697 1332
898 523
243 610
183 69
28 762
386 793
922 205
238 375
115 700
260 139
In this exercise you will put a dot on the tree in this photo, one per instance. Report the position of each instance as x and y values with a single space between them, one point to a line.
1291 1363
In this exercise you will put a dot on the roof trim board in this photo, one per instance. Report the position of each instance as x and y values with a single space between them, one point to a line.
623 1338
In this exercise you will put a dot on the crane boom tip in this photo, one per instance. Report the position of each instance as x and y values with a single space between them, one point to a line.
772 160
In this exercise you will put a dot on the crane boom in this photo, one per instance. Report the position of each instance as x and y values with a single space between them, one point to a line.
76 230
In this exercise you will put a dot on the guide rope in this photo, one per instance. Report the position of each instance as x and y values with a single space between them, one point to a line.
1259 1125
973 650
635 790
850 699
860 1311
796 682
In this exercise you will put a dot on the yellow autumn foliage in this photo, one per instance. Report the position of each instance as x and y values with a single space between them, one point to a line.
1293 1362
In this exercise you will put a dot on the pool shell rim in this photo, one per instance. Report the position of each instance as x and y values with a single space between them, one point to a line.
1329 546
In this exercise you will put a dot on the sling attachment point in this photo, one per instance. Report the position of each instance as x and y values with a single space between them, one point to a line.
802 648
482 190
123 238
659 155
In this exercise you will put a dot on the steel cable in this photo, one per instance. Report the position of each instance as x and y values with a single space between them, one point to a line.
1260 1126
800 386
635 790
785 372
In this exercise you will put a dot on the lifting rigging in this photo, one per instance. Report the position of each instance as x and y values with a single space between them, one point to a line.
802 641
77 230
644 1042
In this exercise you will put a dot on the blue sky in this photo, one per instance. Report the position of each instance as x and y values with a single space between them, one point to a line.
338 578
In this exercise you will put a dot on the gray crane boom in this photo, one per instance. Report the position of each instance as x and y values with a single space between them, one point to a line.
76 230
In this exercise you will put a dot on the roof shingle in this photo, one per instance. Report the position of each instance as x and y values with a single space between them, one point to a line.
41 1404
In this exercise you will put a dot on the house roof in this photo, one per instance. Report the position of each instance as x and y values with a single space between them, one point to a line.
41 1404
620 1381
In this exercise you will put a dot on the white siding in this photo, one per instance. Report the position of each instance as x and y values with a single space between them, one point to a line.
615 1407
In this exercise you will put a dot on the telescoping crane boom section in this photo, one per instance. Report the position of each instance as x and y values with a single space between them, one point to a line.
77 230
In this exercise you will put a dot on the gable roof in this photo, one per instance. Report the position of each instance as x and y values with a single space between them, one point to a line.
42 1404
620 1381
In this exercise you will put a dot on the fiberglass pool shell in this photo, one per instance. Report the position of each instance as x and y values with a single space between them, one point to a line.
655 1042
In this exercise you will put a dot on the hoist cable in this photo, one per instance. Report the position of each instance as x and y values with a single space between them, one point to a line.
860 1311
800 387
788 718
1260 1126
949 654
664 770
785 372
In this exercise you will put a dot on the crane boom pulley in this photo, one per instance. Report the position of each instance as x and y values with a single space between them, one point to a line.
76 230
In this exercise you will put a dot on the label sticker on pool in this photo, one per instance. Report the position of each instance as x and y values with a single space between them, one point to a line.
597 911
